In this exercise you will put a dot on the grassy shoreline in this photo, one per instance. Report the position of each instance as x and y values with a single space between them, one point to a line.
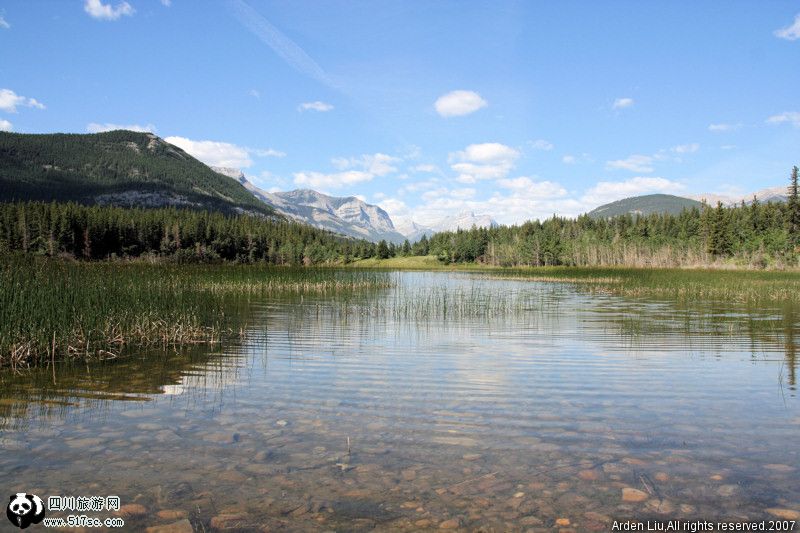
726 284
53 310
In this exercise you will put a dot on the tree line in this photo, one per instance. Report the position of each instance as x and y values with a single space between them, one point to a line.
184 235
756 234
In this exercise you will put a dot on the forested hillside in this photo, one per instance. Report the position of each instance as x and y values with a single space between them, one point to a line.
645 205
115 168
184 235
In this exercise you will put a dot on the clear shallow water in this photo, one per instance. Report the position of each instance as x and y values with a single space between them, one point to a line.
536 403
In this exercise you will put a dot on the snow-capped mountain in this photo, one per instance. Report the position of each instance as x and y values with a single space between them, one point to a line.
348 216
464 220
770 194
411 230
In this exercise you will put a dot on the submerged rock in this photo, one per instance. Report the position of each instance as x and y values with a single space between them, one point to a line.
784 514
633 495
181 526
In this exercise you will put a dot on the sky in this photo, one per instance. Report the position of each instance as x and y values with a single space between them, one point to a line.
519 110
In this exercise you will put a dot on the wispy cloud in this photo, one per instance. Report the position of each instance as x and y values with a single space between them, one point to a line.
5 125
166 3
331 181
790 32
100 11
622 103
790 117
723 127
9 101
633 163
322 107
94 127
459 103
376 164
286 49
541 144
4 24
266 152
685 148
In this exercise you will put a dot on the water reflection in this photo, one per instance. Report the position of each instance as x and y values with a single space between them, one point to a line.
447 400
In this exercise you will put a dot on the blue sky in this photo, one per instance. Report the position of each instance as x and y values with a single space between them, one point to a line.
515 109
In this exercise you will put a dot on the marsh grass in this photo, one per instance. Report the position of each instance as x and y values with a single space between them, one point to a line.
740 286
52 310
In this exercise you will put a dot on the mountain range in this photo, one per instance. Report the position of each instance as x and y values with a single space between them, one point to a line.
464 220
139 169
770 194
348 216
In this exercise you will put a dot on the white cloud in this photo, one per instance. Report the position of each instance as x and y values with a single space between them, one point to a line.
527 199
723 127
4 24
9 101
686 148
94 127
622 103
166 3
418 186
609 191
213 153
332 181
430 169
466 192
483 161
527 185
376 164
5 125
487 153
254 93
541 144
393 206
634 163
98 10
268 152
792 117
353 170
459 103
322 107
790 32
569 159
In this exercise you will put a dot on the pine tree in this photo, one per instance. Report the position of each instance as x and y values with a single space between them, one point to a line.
793 211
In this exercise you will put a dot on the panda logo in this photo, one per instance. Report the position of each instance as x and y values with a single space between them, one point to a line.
25 509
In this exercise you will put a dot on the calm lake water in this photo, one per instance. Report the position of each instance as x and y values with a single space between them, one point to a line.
449 400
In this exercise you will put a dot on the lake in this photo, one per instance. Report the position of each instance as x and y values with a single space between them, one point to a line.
448 400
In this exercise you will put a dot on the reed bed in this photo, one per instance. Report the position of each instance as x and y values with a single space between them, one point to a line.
54 310
743 286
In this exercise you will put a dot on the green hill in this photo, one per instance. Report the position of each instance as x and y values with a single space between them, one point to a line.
123 168
645 205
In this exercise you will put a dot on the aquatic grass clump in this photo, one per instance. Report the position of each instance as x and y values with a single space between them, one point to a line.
442 303
269 280
52 310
